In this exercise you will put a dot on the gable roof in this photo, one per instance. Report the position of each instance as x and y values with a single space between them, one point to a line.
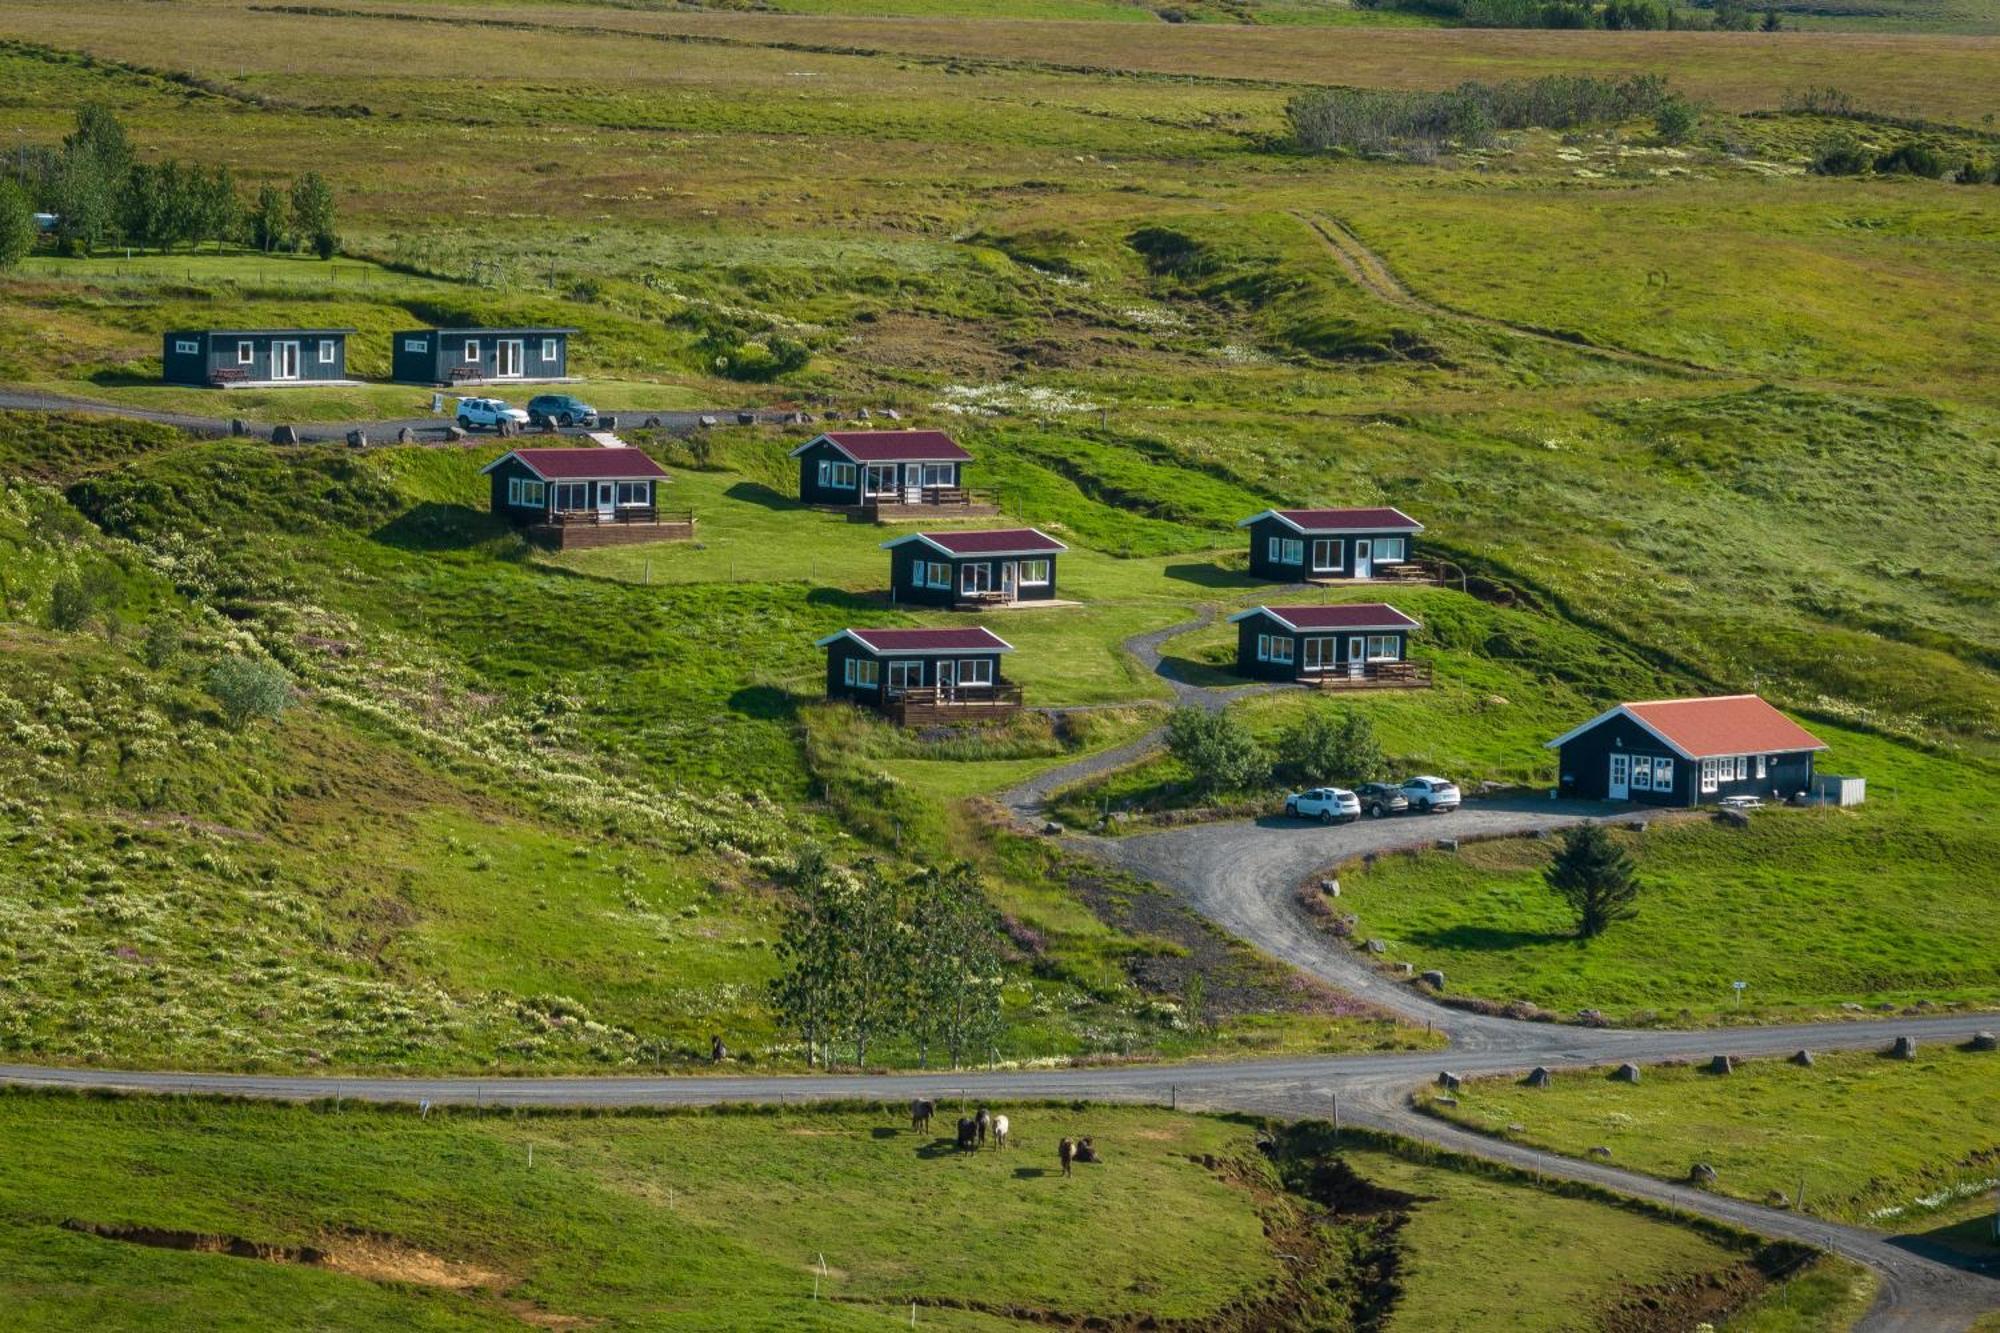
532 328
257 333
999 541
1705 728
892 446
1383 518
583 464
1346 615
923 642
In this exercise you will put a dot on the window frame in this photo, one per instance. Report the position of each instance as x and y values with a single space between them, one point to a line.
1043 572
840 475
938 475
967 580
326 357
548 349
902 668
1277 649
246 352
187 347
980 668
1640 773
1763 767
643 491
471 354
1395 643
1709 778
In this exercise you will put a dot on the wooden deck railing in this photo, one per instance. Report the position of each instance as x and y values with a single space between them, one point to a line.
953 703
1372 676
622 514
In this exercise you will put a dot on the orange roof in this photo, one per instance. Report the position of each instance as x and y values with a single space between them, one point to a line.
1729 724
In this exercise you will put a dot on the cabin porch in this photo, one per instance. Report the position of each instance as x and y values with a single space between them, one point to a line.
953 705
575 529
1403 675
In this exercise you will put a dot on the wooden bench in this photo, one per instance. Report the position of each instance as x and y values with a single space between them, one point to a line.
222 375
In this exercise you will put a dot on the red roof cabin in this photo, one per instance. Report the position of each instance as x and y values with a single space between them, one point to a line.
922 676
888 475
1350 646
974 569
1687 752
584 497
1307 545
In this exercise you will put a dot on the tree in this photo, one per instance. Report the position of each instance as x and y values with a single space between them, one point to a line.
312 213
140 216
70 604
87 177
1594 876
873 984
248 690
17 224
162 644
1676 120
1219 752
1772 23
809 948
99 133
955 974
1332 743
267 220
218 212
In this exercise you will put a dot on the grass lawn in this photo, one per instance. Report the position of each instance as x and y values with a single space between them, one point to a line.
1887 903
1926 1167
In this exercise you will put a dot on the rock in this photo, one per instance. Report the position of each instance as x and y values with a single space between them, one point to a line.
1541 835
1376 946
1496 701
1985 1041
1517 1129
1904 1049
1722 1064
1330 887
1592 1018
1636 825
1406 969
1447 844
1368 858
1701 1173
703 422
1449 1081
1626 1073
1539 1077
605 421
505 428
862 414
1803 1059
1447 1101
892 414
238 426
1433 978
746 418
1885 1008
1777 1199
404 435
284 435
1849 1006
357 439
453 433
1733 818
548 425
1052 828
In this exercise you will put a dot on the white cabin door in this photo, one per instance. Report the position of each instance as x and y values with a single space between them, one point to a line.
1364 558
1010 578
1620 787
284 361
607 500
1357 657
507 359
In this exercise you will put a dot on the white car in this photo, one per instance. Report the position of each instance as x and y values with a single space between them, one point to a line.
474 413
1428 795
1329 805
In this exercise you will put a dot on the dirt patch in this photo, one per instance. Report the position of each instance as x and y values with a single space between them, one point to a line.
1702 1298
359 1254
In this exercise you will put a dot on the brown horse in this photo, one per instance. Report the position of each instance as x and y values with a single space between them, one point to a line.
985 1122
1066 1153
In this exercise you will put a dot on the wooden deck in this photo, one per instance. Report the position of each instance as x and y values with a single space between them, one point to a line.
579 529
935 505
1373 676
954 707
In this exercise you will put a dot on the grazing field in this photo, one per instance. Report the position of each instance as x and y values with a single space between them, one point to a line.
700 1220
1925 1167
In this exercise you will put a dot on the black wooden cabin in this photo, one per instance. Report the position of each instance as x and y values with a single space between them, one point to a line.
1295 545
973 569
851 468
1687 752
922 675
254 358
1354 643
480 356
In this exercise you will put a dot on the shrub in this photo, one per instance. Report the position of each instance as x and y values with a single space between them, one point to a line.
1635 14
1840 156
1676 120
162 644
1378 122
1219 752
1330 743
248 690
1913 159
70 604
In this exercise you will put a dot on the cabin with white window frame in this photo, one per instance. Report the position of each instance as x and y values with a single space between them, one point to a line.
254 358
888 476
481 356
570 498
922 677
1008 567
1311 545
1687 752
1350 646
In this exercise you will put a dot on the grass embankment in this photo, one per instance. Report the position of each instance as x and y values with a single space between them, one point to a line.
1906 1146
704 1220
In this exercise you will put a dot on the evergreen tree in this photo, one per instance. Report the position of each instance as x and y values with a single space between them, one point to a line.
1594 875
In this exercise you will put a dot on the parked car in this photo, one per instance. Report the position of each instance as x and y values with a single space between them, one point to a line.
1382 798
1428 795
487 413
560 408
1329 805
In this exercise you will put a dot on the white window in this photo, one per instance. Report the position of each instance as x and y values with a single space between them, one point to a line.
975 671
906 675
1388 550
841 476
573 495
920 574
1663 774
1274 648
187 347
1383 648
1642 773
416 344
326 351
937 474
548 349
1035 573
1762 766
1288 551
472 351
862 672
634 493
534 492
1708 774
246 352
513 490
975 577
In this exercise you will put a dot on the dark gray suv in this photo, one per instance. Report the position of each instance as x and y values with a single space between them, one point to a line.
560 408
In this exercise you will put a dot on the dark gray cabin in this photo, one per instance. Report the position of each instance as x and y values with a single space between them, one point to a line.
1295 545
541 485
973 569
854 467
1307 642
948 667
261 358
480 356
1687 752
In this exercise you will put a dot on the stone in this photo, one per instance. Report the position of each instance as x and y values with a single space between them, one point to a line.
1722 1064
1803 1059
862 414
1985 1041
606 421
1734 818
892 414
357 439
1849 1006
1626 1073
1517 1129
1330 887
1886 1007
746 418
505 428
1904 1049
404 435
1406 969
1447 844
1592 1018
1701 1173
237 426
1636 825
1376 946
654 423
1447 1101
1449 1081
1368 858
453 433
1539 1077
1541 835
705 422
284 435
1052 828
1600 1151
548 425
1433 978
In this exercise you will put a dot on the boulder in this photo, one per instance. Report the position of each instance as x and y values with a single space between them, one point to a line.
1592 1018
1985 1041
1541 834
404 435
605 421
1803 1059
1376 946
1330 887
1701 1173
704 422
892 414
1904 1049
454 433
1722 1064
1636 825
1052 828
654 423
1850 1007
548 425
505 428
1626 1073
1433 978
1447 844
237 426
746 418
1517 1129
1449 1081
1539 1077
1733 818
357 439
1600 1151
861 414
284 435
1405 969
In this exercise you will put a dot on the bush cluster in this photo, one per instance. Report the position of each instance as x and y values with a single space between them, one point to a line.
1367 121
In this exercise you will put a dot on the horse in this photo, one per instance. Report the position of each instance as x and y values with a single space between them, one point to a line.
921 1109
1000 1131
1084 1151
968 1134
985 1122
1066 1153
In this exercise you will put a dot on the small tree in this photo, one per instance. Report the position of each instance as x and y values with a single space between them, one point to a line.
809 947
71 604
1772 23
17 224
162 644
1328 744
955 973
248 690
312 213
1594 876
1676 120
1219 752
267 220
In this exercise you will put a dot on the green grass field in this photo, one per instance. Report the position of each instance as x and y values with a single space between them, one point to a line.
1925 1169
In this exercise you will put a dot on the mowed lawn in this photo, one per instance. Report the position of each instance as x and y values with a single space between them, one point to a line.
1888 903
1900 1145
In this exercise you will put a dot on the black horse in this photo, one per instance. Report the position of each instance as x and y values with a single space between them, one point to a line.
921 1110
968 1134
